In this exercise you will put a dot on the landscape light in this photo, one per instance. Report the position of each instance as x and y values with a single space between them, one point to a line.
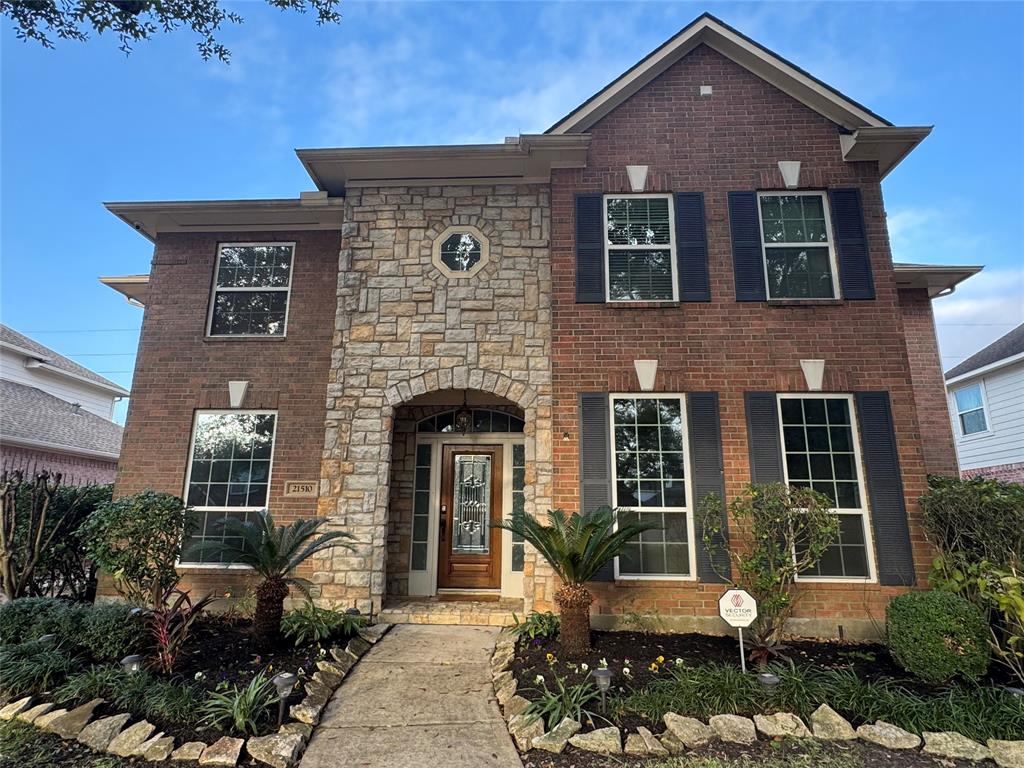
284 683
132 664
768 680
603 677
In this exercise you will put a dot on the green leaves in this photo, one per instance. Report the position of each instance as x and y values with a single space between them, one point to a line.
310 624
240 710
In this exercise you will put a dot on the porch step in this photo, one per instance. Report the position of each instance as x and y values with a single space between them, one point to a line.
468 612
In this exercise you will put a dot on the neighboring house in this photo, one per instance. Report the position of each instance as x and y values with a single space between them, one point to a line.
55 414
683 286
986 402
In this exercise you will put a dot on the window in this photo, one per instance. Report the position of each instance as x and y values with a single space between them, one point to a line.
483 420
229 469
820 445
250 294
650 484
797 239
460 251
421 507
518 502
639 246
970 410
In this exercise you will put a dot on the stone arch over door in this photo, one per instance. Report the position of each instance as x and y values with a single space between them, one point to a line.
356 470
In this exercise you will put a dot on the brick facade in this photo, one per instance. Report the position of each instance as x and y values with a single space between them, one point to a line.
1008 473
76 470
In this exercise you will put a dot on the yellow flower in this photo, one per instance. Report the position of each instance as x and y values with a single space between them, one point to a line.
551 657
660 659
653 667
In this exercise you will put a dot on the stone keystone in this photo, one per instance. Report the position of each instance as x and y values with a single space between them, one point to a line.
889 736
279 750
829 725
189 751
15 708
68 726
1007 754
689 731
734 729
29 715
954 745
604 741
224 751
99 734
524 729
781 724
128 740
556 739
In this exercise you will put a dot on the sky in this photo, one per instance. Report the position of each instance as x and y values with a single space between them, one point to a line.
84 123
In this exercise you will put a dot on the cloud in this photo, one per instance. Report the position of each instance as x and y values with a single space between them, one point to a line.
982 309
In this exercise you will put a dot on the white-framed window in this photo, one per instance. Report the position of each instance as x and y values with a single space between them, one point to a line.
821 448
970 409
650 482
229 469
251 286
640 240
796 238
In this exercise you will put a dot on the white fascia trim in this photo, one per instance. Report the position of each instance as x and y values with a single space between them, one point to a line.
119 391
43 445
985 369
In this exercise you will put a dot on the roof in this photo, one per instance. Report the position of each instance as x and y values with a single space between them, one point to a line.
135 288
1002 351
937 279
54 362
31 417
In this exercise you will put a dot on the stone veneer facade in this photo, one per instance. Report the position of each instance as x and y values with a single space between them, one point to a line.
404 329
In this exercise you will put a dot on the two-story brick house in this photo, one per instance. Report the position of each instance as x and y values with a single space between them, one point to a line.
683 286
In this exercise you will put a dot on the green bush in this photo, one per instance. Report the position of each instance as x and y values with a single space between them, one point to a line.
26 618
34 667
536 625
937 636
241 710
107 632
310 624
110 632
140 693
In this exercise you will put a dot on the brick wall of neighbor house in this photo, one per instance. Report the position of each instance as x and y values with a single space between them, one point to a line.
179 370
929 386
1008 473
76 470
730 141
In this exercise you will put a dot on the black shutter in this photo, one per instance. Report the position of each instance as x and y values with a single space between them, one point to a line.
851 236
589 250
885 490
692 247
747 254
763 437
595 461
707 477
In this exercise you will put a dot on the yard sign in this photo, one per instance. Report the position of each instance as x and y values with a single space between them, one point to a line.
738 609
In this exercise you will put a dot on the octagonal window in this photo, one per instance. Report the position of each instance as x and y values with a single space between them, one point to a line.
461 252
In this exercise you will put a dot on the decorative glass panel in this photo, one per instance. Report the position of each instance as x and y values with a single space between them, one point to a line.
460 252
421 508
251 293
483 420
639 248
518 501
471 504
797 254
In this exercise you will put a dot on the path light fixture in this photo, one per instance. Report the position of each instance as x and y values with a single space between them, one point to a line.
284 683
603 677
132 664
768 680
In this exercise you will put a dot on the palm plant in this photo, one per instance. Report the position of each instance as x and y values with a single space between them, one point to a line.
273 552
576 547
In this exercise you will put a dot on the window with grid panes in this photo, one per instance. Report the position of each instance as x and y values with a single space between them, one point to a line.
250 295
639 244
518 501
797 247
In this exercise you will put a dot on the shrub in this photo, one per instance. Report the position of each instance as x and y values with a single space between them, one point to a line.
240 710
34 667
27 618
170 624
137 540
140 693
111 631
937 636
310 624
536 625
563 701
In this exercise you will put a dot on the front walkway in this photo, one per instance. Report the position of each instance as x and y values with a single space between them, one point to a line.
421 697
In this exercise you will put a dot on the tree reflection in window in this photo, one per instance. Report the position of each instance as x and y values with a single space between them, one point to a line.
251 293
460 252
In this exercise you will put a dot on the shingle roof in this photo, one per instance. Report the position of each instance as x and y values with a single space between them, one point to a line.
1006 346
10 336
29 414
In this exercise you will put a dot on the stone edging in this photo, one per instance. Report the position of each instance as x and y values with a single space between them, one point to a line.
682 733
279 750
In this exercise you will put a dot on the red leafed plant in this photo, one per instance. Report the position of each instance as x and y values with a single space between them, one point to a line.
170 624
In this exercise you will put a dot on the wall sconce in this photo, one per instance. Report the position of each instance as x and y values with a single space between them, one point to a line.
646 372
790 170
637 177
236 392
814 374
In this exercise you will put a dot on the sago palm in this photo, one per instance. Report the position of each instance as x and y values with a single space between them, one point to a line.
576 547
273 552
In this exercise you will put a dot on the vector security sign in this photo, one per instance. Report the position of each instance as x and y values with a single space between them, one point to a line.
738 608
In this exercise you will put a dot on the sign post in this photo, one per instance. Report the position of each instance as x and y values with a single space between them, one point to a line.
738 609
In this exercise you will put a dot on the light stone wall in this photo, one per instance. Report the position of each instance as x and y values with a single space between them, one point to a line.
403 329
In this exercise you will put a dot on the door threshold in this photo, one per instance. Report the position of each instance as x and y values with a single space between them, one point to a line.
469 594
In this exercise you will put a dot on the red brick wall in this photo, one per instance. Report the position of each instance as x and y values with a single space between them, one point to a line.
1008 473
178 371
77 470
730 141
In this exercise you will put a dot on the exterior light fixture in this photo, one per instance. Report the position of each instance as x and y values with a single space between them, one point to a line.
603 678
790 170
132 664
464 416
284 683
768 680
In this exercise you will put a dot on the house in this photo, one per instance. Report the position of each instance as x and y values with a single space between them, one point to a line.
683 286
55 414
986 404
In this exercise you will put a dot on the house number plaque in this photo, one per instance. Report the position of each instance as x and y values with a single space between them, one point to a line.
303 489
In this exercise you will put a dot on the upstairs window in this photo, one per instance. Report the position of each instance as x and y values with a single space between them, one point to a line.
797 240
639 248
970 410
251 286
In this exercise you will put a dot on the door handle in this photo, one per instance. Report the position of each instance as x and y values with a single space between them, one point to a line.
444 516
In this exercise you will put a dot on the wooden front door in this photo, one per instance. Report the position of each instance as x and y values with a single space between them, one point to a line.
471 494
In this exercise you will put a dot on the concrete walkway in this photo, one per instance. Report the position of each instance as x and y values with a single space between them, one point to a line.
421 697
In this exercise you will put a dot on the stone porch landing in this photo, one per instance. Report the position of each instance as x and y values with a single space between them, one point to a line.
495 613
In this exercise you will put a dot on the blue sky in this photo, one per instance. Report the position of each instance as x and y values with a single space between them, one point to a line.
84 124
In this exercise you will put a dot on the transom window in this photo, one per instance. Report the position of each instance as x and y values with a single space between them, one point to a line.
639 243
251 285
648 437
229 469
820 445
797 241
484 420
970 410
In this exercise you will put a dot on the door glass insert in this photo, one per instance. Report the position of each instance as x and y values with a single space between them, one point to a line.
471 503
